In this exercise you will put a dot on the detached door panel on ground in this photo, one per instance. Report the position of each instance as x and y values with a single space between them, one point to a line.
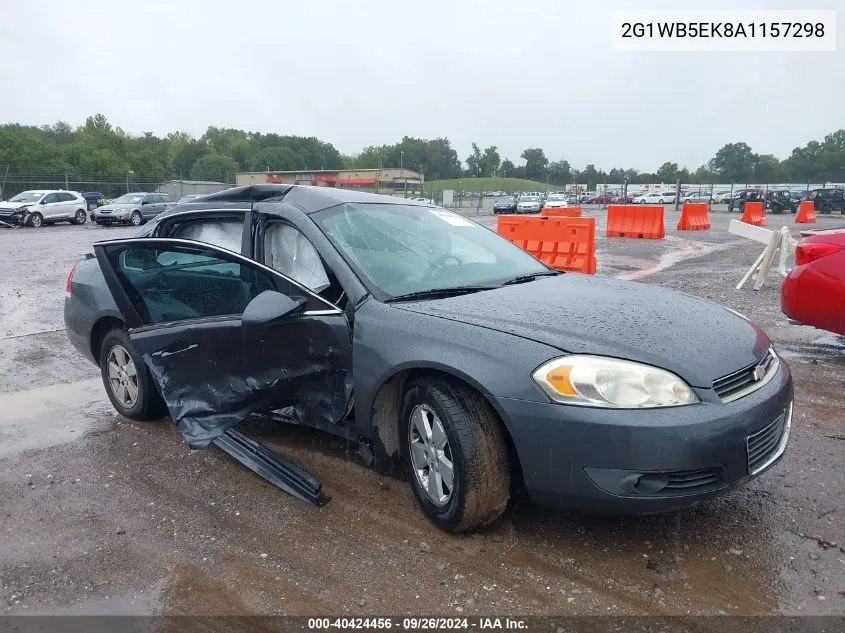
183 302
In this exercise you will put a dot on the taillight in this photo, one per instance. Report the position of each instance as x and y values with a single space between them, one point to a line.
811 251
69 280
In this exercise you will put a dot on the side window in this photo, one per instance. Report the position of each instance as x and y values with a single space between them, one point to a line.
287 250
224 233
65 197
149 199
50 198
177 283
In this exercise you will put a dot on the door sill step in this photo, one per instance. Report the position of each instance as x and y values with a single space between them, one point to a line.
277 470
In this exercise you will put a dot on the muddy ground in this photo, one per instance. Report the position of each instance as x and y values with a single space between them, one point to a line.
104 515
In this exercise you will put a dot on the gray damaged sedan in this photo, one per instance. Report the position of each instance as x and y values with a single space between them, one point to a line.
421 336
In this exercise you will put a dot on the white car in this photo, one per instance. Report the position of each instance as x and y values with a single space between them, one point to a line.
721 197
528 204
656 197
38 207
556 201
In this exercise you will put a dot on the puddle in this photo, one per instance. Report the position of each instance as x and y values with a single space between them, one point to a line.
686 249
51 415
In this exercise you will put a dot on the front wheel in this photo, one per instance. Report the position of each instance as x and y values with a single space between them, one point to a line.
455 454
36 220
128 383
80 217
135 220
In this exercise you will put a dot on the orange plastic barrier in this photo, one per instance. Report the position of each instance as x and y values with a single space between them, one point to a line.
753 214
635 220
562 243
806 212
694 217
564 212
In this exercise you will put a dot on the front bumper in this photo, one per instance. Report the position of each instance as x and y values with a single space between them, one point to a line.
12 216
647 461
112 216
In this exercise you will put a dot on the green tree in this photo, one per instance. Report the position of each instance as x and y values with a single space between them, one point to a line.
734 163
474 162
560 172
535 163
490 162
507 168
214 167
667 172
277 159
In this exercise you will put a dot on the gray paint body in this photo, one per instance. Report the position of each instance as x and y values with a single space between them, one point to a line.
493 341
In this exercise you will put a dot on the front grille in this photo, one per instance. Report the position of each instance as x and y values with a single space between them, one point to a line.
746 380
766 444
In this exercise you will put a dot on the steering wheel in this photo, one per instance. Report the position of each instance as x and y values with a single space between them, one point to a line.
440 263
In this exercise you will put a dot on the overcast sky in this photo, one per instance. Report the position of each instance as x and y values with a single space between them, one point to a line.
516 74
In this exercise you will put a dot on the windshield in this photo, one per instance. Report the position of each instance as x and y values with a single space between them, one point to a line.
129 198
529 199
27 196
400 249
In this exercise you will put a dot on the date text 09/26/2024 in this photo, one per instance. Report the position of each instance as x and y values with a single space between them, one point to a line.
418 623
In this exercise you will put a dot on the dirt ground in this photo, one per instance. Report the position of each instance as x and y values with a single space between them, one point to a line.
104 515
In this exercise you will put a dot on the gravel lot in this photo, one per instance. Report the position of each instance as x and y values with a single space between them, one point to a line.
104 515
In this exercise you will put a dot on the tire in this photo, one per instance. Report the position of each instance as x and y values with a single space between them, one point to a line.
80 218
147 404
136 219
661 201
475 444
36 220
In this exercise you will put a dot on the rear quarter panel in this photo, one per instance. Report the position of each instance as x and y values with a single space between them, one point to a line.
89 302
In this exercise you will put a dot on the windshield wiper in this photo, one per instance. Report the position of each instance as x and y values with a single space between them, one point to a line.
526 278
434 293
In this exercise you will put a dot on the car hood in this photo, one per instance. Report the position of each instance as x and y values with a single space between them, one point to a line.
118 207
697 339
15 205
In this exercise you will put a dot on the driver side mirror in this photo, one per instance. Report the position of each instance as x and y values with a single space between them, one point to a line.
269 308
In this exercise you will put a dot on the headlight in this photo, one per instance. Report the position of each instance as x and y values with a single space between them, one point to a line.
598 381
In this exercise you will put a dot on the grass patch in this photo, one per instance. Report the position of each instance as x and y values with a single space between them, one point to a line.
511 185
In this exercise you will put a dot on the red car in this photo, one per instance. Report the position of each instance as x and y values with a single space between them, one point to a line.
604 198
814 291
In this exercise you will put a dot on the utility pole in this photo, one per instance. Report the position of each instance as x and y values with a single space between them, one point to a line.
402 173
67 185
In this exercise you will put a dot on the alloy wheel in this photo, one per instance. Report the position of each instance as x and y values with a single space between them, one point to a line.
431 455
123 376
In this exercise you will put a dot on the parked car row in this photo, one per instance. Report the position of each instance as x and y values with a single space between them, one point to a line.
38 207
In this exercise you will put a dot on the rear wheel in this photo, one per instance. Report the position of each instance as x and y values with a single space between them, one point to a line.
80 217
36 220
455 454
127 380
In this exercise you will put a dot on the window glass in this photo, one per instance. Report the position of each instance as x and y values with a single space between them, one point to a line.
180 283
287 250
402 248
50 198
223 233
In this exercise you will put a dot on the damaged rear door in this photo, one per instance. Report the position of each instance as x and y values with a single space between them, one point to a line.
225 337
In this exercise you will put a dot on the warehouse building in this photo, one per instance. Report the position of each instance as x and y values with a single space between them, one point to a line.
394 181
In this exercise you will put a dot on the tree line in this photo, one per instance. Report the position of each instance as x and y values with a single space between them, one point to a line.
99 151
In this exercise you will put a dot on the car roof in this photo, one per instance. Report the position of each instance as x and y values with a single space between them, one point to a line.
308 198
